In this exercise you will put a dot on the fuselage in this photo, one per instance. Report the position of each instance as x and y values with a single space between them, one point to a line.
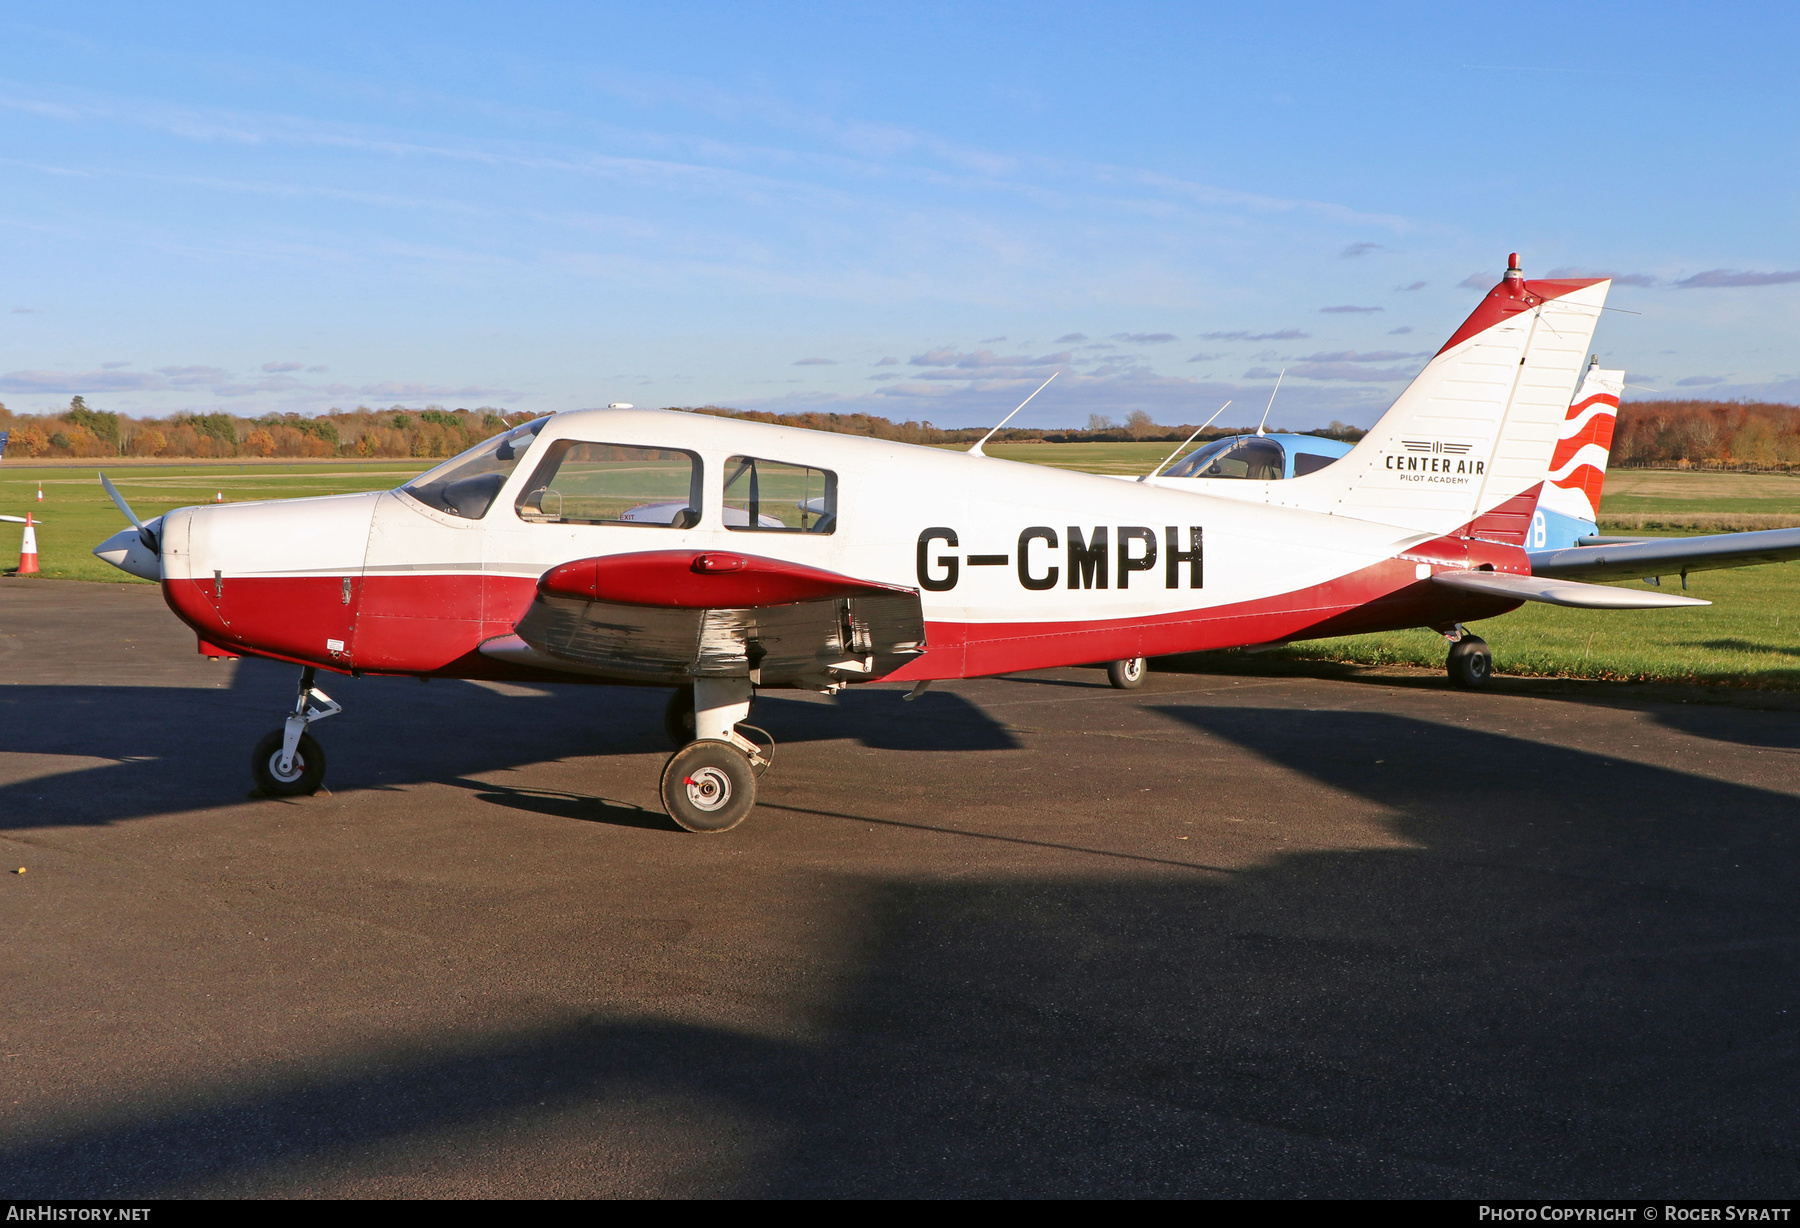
1018 566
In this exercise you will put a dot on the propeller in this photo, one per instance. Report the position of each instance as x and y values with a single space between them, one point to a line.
144 534
22 520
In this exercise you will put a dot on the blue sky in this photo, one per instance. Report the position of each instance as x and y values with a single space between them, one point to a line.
916 210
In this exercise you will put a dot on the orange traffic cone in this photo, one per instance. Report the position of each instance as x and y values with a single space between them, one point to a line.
40 492
219 497
28 550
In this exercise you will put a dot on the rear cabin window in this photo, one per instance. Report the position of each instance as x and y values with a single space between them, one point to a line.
613 483
779 497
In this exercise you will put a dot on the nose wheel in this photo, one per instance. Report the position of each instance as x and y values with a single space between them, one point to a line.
289 762
305 770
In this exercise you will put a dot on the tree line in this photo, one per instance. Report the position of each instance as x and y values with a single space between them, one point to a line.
1708 434
85 432
1138 426
82 431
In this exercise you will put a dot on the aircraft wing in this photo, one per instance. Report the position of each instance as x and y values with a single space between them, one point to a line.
1667 555
1559 592
670 616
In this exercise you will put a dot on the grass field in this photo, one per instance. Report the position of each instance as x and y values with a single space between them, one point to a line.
1749 637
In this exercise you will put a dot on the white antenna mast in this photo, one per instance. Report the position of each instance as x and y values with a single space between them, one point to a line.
1185 443
976 450
1271 404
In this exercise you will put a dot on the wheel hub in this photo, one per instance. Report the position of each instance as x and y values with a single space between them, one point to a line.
708 789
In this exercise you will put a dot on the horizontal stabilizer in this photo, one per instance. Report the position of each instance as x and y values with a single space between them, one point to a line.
1667 555
1559 592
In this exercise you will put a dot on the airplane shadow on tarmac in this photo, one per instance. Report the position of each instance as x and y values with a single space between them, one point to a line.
1577 977
176 749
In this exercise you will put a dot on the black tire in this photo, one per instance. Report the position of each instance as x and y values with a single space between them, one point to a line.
1470 664
1128 674
708 787
678 717
309 767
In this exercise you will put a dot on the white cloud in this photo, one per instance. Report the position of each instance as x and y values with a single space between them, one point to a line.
1719 278
81 382
1371 356
1286 334
981 360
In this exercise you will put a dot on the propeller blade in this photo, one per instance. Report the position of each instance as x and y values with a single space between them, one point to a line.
144 535
119 501
21 520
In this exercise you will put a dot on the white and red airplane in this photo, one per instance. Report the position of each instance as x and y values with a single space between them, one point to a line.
719 556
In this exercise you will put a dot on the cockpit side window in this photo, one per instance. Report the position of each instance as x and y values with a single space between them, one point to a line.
466 485
1255 458
779 497
613 483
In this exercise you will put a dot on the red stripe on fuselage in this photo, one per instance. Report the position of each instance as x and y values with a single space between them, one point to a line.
434 625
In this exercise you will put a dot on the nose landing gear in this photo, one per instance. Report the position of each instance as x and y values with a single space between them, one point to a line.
709 785
289 762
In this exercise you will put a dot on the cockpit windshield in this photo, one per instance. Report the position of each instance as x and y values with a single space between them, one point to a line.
466 485
1252 457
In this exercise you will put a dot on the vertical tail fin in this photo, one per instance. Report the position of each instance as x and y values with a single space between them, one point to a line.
1474 434
1569 508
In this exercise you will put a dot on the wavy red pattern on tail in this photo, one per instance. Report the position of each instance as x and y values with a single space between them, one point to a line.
1599 430
1587 479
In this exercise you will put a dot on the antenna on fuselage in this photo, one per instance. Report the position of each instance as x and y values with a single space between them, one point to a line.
1185 443
1271 404
976 450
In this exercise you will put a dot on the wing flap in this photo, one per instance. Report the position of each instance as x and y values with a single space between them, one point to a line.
675 615
1559 592
1667 555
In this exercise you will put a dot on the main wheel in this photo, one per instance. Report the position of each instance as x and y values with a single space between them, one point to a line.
1127 675
1470 663
306 775
678 717
708 786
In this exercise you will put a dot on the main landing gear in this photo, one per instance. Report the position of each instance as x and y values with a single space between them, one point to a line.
289 762
1127 675
709 785
1470 664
